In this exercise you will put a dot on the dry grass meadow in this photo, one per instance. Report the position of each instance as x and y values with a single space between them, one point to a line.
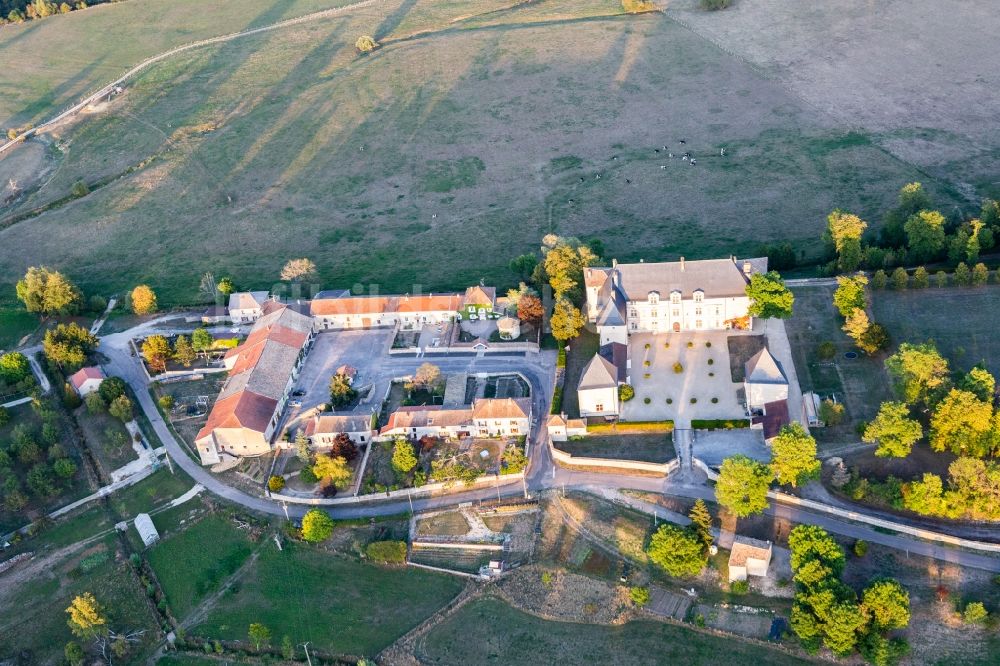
473 131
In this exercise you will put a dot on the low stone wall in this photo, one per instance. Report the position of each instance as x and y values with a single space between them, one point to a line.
403 493
819 507
612 464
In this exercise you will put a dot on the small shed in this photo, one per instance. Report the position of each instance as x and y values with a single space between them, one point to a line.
146 529
748 557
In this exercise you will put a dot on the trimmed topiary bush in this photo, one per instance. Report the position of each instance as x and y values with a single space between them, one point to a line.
625 392
690 344
646 401
694 401
715 401
670 401
711 361
708 344
647 345
678 368
666 345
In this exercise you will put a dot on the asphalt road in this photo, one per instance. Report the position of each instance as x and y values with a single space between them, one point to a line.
542 473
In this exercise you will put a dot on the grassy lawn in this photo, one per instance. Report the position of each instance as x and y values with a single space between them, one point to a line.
488 630
193 563
211 145
929 314
342 605
153 492
31 613
653 447
582 349
15 323
860 383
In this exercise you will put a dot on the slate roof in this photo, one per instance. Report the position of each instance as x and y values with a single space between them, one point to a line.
427 415
337 423
716 277
617 353
598 373
247 300
763 368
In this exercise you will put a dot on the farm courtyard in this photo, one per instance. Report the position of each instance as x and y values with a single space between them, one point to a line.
477 127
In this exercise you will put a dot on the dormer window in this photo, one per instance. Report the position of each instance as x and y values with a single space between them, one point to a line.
654 297
675 297
699 296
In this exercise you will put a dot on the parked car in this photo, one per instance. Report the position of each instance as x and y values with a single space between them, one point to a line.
294 403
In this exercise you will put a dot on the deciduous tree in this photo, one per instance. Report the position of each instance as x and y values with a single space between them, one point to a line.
793 455
316 526
850 294
742 486
887 604
67 345
14 367
677 551
925 235
111 388
769 297
919 372
48 292
298 270
893 430
86 618
156 350
566 321
259 635
184 351
143 300
963 424
332 470
201 340
341 391
121 408
529 309
404 458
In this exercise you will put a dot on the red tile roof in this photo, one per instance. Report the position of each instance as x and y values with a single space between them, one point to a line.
78 378
430 303
240 410
352 305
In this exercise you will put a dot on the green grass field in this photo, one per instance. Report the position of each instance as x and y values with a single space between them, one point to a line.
920 315
657 448
193 563
32 621
341 605
15 323
490 631
288 144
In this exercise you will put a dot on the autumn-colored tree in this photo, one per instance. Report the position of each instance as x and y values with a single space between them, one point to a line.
793 454
86 619
529 309
143 300
298 270
893 430
567 320
316 526
332 471
67 345
156 350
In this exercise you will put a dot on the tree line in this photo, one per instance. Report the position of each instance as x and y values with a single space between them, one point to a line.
19 11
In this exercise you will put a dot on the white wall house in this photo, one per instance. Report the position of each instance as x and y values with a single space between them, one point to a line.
86 380
669 297
597 391
748 557
502 417
323 429
764 380
246 307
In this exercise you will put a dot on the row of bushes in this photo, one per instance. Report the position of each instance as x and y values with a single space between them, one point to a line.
719 424
557 398
625 427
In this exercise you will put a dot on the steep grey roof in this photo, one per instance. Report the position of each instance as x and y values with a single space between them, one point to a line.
617 353
716 277
599 373
613 313
247 300
763 368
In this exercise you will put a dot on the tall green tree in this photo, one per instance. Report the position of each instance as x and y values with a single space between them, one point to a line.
67 345
888 605
893 430
48 292
677 551
769 297
316 526
742 486
925 235
850 294
701 522
14 367
919 372
259 635
962 424
793 455
201 340
183 351
341 390
404 457
844 231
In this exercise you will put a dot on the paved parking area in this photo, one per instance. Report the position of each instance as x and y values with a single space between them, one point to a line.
713 446
699 379
362 349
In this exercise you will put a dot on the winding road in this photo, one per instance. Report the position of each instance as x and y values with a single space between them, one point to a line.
543 474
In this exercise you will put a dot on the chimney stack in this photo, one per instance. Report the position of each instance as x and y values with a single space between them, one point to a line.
614 263
682 263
